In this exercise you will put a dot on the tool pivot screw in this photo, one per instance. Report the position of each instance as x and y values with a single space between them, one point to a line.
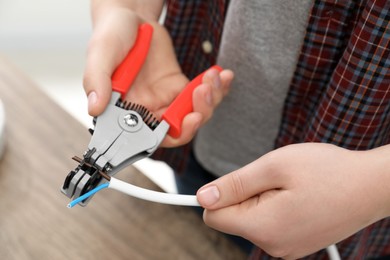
131 120
107 168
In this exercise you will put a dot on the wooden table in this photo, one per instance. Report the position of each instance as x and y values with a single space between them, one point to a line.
34 220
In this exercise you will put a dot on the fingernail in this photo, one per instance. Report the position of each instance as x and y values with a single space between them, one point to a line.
92 99
208 196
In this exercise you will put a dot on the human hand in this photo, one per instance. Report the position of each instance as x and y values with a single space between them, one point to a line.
301 198
160 79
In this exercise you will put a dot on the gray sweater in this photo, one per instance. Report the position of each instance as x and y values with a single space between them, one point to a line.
260 43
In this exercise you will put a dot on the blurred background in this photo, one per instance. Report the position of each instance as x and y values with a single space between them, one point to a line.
47 40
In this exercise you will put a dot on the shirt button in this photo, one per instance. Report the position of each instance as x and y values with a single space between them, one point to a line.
207 47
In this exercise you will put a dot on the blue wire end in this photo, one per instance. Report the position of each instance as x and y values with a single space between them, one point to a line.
88 194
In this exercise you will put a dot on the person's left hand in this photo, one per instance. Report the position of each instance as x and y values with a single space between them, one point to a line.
299 199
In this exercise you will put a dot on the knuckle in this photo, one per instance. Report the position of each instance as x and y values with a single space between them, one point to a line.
269 238
217 100
207 116
273 248
90 81
217 96
237 186
208 219
183 139
95 43
87 80
273 167
278 252
226 91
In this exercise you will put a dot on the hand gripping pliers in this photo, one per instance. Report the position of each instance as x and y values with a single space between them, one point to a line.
126 132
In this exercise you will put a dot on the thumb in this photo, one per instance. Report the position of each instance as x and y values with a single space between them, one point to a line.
98 89
240 185
100 65
113 37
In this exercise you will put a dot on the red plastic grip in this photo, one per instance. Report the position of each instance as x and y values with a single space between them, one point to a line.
127 71
182 105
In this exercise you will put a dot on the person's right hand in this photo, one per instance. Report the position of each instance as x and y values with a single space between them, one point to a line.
300 198
160 79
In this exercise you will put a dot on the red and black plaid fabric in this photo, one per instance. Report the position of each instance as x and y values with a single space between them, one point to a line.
339 94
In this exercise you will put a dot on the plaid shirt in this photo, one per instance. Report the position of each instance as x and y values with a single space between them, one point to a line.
339 94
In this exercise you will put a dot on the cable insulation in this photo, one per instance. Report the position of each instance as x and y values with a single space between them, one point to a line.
155 196
333 253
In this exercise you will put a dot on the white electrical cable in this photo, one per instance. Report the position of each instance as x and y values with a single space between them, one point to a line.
155 196
165 198
333 253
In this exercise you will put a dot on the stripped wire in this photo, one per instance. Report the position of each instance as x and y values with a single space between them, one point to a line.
87 195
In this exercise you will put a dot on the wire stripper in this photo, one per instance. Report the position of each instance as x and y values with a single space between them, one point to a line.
126 132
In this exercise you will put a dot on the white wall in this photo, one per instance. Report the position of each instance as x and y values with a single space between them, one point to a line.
41 24
47 39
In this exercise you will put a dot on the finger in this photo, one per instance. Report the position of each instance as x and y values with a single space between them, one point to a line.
97 86
220 82
227 77
97 75
203 110
224 220
257 219
253 179
207 96
190 125
231 220
202 100
203 104
212 78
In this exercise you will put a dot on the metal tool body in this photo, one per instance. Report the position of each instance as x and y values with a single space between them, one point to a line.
126 132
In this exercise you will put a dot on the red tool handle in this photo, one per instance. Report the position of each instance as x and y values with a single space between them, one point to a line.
182 105
127 71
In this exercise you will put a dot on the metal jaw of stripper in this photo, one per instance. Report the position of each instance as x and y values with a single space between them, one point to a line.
123 134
